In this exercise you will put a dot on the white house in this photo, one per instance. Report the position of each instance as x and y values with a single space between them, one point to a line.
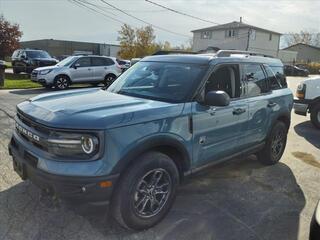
236 36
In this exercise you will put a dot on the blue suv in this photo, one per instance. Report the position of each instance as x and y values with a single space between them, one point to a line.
163 119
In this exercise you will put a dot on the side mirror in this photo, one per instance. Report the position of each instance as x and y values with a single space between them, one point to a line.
75 66
217 98
23 57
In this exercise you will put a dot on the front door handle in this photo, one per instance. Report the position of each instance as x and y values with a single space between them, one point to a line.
238 111
89 69
272 104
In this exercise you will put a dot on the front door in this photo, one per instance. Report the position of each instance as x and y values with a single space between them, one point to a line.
216 129
81 70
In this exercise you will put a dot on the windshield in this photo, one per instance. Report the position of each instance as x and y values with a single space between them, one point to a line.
67 61
163 81
38 54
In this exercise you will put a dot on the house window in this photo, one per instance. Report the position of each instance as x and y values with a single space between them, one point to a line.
270 37
206 35
230 33
252 34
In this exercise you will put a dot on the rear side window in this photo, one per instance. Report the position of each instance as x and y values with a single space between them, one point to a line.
254 80
279 72
96 61
272 79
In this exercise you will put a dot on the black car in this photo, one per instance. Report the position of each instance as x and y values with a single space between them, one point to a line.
315 224
25 60
291 70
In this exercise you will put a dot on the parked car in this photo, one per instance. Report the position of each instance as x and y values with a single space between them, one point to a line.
78 69
124 64
25 60
134 61
308 100
315 224
291 70
162 120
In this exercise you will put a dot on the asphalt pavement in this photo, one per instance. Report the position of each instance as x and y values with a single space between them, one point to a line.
240 199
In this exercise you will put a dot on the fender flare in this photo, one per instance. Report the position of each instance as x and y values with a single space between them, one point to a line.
152 142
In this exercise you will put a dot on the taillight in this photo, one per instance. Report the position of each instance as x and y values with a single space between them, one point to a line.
301 91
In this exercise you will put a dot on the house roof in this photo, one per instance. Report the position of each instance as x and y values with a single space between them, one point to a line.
307 45
234 25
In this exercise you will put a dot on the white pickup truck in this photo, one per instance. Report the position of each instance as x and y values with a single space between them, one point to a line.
308 100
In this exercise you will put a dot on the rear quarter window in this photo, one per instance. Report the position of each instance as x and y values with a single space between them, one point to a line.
279 73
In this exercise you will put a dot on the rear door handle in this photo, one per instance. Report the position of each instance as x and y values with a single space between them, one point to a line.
89 69
238 111
272 104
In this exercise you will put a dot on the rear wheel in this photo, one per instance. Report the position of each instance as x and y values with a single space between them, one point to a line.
315 115
275 145
61 82
146 191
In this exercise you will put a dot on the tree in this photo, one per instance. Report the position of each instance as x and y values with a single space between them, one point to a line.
127 39
304 36
10 35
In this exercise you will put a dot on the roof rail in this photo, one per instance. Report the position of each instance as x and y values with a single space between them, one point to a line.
228 53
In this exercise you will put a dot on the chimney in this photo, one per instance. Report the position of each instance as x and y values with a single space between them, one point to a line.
240 19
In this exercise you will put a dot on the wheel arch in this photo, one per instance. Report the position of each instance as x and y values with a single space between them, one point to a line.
168 145
314 102
63 74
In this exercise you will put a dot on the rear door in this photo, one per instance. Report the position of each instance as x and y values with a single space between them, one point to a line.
216 129
81 70
99 67
259 98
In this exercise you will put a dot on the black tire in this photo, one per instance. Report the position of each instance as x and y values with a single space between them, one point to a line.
315 115
275 144
152 167
15 70
61 82
109 79
47 86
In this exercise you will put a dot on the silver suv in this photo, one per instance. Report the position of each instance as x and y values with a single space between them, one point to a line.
78 69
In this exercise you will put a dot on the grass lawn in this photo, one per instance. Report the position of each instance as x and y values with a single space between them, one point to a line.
8 64
19 84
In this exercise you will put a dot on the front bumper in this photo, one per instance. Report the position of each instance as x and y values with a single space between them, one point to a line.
80 189
315 224
301 107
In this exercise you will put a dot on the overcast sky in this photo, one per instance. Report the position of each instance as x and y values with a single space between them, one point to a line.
61 19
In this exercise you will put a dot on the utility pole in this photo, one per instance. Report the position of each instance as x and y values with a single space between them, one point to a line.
248 40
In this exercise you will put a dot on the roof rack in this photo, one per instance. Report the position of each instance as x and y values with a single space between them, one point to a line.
228 53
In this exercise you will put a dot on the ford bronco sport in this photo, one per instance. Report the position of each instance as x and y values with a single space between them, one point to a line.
163 119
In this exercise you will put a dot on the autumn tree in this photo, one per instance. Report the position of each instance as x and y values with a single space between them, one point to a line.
304 36
127 38
10 35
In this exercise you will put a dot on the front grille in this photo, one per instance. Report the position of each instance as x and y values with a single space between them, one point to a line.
36 134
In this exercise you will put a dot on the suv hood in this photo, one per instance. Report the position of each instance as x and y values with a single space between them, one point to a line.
47 67
94 109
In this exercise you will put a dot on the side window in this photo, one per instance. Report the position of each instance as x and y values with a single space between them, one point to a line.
108 62
254 79
272 79
15 53
83 62
279 72
22 53
225 78
98 61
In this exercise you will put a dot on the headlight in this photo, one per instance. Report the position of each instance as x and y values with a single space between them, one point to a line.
301 91
44 72
73 146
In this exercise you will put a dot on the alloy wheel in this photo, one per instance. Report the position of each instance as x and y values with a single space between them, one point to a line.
152 193
277 143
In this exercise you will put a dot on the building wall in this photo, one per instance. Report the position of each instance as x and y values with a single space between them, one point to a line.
59 47
219 40
306 53
287 57
262 44
259 43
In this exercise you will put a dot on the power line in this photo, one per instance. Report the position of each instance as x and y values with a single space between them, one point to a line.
181 13
81 4
141 20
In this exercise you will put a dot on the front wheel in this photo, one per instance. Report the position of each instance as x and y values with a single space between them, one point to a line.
315 115
61 82
275 145
146 191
